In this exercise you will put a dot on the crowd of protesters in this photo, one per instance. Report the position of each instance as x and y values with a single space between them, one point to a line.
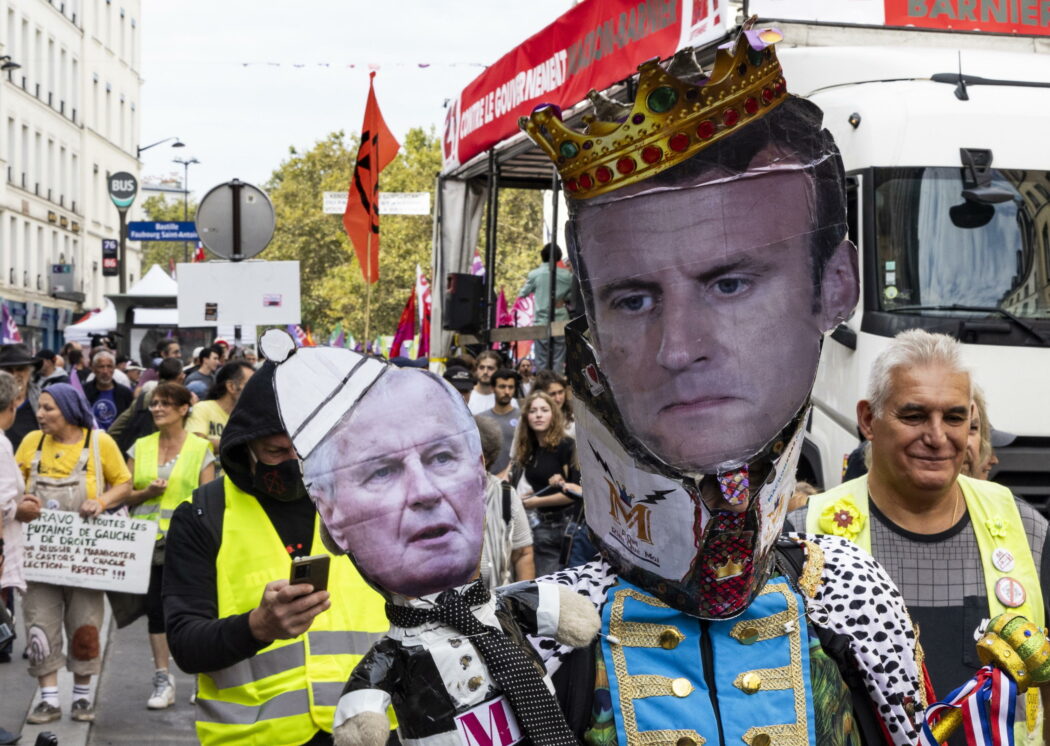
93 432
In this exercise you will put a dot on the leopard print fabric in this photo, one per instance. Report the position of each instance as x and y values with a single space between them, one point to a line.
856 598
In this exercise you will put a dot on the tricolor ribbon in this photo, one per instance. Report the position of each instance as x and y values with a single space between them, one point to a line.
987 702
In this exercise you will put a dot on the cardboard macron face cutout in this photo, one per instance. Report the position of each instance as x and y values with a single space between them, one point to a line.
392 460
711 253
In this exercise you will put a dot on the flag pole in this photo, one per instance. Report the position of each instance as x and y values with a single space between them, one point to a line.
368 286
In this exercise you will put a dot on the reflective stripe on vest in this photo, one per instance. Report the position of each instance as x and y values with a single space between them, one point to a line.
289 690
269 662
286 704
991 507
185 476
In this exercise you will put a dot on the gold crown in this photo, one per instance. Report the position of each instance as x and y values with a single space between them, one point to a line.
671 119
729 569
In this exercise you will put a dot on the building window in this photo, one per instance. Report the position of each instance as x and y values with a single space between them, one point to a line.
12 166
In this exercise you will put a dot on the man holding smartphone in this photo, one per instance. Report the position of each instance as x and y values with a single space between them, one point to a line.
271 656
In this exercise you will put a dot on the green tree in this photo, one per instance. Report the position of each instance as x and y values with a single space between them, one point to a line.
519 238
333 289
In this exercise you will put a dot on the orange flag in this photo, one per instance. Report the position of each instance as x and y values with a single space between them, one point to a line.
361 219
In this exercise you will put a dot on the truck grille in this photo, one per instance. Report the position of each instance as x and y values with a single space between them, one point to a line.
1024 467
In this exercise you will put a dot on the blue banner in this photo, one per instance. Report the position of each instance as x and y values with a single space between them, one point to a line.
173 231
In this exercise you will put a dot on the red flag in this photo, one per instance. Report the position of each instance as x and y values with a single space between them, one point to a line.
406 326
361 219
198 254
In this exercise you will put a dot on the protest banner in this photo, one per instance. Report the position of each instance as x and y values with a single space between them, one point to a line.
108 553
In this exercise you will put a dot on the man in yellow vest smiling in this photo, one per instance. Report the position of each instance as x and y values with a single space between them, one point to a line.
960 549
271 658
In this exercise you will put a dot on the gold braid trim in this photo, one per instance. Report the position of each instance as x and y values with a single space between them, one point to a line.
646 635
920 660
787 677
632 687
751 631
810 580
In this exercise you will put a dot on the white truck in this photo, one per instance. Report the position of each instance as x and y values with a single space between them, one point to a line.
946 144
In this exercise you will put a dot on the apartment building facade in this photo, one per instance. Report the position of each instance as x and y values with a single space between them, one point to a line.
69 105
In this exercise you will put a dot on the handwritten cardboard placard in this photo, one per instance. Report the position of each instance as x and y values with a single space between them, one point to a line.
108 553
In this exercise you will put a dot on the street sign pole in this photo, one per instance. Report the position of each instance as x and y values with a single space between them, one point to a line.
122 190
235 193
123 251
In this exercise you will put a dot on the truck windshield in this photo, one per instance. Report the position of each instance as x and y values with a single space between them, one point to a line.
988 251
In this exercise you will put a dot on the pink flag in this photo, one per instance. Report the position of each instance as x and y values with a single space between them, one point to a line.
406 326
503 315
477 267
523 311
11 335
423 308
299 335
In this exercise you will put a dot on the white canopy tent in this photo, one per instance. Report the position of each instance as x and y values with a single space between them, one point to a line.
101 321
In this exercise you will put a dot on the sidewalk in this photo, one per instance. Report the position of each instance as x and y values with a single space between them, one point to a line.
20 693
127 680
120 695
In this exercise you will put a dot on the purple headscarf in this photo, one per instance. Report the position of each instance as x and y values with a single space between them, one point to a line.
72 404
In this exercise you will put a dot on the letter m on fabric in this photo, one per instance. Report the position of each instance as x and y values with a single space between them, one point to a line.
634 518
489 724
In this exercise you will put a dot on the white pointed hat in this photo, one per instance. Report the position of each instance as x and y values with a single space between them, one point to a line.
316 386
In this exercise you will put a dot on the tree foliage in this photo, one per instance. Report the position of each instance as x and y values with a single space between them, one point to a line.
333 289
160 209
519 237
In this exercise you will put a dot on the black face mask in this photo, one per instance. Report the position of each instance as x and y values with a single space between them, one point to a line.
283 481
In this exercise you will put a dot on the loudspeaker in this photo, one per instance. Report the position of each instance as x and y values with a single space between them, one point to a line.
464 303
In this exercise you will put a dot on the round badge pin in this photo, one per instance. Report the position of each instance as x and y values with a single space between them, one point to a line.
1003 559
1010 592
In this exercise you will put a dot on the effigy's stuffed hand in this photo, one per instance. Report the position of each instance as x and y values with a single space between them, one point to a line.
551 610
361 718
578 620
363 729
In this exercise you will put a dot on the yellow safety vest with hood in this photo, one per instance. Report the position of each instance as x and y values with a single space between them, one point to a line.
287 691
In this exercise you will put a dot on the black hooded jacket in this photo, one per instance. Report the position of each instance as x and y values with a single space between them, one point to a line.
199 640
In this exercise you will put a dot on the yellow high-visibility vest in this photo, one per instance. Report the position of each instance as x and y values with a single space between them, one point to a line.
287 691
996 524
185 476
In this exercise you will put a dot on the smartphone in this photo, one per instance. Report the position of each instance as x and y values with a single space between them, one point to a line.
311 570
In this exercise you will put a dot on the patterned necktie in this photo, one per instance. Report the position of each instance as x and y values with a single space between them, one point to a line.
516 674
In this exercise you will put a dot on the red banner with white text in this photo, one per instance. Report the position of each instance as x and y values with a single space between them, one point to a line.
1015 17
594 45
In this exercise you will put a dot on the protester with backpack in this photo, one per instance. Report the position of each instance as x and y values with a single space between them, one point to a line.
506 554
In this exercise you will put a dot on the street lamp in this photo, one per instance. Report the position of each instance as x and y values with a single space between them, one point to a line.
8 65
177 144
186 163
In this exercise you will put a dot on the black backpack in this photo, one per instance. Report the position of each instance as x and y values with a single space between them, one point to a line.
139 425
